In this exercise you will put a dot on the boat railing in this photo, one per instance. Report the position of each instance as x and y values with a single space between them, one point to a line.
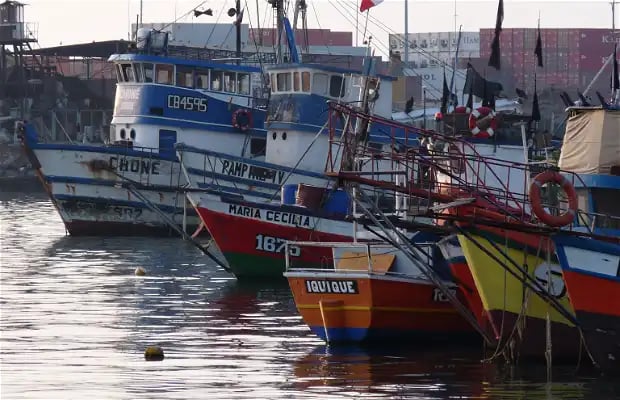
373 257
438 168
221 55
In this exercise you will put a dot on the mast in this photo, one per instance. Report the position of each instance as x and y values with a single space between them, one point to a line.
300 8
613 16
140 23
407 33
278 5
238 30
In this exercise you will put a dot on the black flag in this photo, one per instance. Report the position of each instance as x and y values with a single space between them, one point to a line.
470 100
538 50
615 81
479 86
535 109
445 95
494 60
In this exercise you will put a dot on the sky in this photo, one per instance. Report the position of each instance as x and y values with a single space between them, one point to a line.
81 21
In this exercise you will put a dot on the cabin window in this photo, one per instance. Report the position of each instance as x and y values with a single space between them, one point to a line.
284 81
128 74
148 72
319 84
216 80
305 81
185 76
230 82
202 78
258 146
119 73
243 83
137 68
296 81
165 74
336 86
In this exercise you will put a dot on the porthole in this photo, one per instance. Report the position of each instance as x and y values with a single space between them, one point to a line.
123 134
283 135
132 134
274 135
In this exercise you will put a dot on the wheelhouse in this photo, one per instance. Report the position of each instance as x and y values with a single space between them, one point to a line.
191 74
331 83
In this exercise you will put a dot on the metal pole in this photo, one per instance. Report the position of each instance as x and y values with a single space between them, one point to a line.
140 14
238 44
260 34
424 107
600 71
407 33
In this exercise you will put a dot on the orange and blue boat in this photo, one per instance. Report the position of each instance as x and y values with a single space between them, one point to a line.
591 270
374 293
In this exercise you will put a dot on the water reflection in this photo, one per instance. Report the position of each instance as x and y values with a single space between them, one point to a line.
75 322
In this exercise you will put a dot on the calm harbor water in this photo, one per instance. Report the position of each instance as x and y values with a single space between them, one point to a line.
75 321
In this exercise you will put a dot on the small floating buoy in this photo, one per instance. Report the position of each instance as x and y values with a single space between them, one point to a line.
140 271
154 353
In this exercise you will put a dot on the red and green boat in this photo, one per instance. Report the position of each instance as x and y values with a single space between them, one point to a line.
252 236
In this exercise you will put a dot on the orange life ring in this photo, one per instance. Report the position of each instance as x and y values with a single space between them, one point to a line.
478 113
550 176
242 119
457 161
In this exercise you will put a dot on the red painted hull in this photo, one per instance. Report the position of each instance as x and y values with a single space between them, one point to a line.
378 308
467 289
593 294
597 304
242 241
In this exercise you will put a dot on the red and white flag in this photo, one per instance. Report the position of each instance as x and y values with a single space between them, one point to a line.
366 4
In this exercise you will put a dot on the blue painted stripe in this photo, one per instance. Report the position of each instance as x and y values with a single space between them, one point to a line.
457 259
181 61
185 124
142 152
219 190
586 244
104 182
601 181
125 203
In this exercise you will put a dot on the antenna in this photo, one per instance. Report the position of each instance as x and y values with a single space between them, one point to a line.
613 16
140 14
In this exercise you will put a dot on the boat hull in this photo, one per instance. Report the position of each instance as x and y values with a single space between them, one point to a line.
518 315
591 270
455 258
94 190
371 307
251 236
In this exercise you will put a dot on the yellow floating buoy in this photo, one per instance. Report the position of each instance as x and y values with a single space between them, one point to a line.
140 271
154 353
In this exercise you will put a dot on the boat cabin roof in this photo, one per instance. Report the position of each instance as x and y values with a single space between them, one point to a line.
124 58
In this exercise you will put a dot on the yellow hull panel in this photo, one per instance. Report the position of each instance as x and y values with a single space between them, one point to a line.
499 290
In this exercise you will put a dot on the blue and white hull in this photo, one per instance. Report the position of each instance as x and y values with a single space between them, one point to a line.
103 190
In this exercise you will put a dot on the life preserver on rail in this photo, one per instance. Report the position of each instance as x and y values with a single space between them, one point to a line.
478 113
550 176
462 110
242 119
